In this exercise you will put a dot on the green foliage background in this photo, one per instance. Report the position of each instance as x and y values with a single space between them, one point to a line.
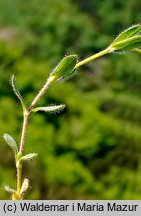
93 149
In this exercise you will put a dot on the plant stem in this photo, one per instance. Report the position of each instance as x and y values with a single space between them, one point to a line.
46 86
19 163
19 178
41 93
137 50
24 129
95 56
26 115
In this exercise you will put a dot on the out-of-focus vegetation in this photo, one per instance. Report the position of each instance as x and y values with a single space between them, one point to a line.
93 149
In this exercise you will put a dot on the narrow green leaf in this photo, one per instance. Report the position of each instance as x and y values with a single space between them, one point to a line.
12 143
130 32
65 69
17 93
9 190
28 157
128 44
57 108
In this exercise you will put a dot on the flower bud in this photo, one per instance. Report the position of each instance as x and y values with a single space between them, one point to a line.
128 40
65 69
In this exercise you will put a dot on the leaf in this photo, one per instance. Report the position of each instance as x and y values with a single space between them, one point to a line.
17 93
57 108
12 143
128 44
9 190
65 69
25 186
132 31
28 157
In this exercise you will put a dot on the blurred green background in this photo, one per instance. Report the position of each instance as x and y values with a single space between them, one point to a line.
92 150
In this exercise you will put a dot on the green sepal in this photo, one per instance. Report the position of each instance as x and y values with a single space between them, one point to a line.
130 32
9 190
128 44
28 157
65 69
17 93
12 143
128 40
54 109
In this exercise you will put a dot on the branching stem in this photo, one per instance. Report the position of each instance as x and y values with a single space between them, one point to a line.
36 99
127 39
41 93
26 115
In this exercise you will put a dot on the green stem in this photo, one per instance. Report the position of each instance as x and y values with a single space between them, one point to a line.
95 56
24 129
26 115
21 148
137 50
41 93
19 178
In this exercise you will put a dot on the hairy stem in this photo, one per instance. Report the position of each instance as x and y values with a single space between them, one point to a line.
21 148
95 56
41 93
19 179
26 115
29 110
24 129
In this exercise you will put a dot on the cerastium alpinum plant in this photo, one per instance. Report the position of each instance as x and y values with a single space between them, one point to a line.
128 40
